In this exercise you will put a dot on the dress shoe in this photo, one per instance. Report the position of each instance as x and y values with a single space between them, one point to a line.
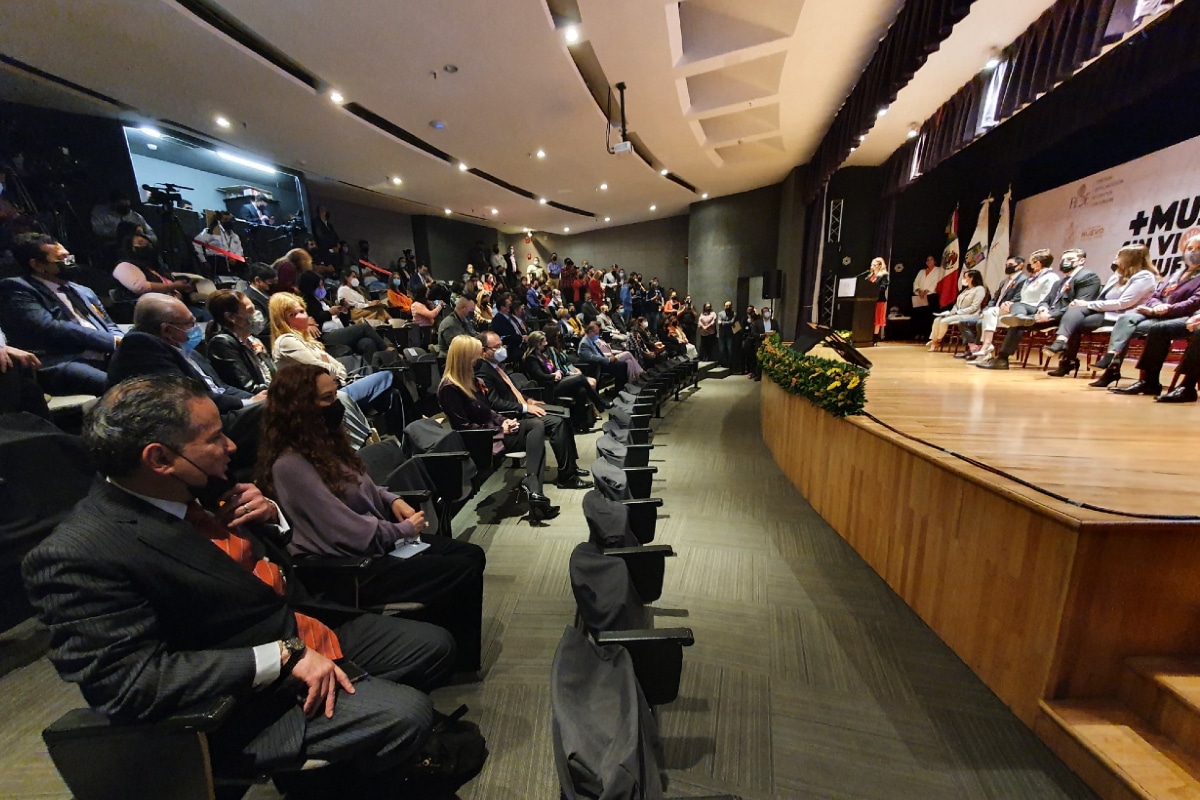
1016 321
1057 346
1180 394
606 404
999 362
1104 361
1065 367
1112 374
1140 387
572 482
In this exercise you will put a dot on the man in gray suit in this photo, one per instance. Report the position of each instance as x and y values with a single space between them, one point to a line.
157 602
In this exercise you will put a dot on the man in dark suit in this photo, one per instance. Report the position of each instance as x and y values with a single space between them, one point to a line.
62 323
508 326
1009 291
163 342
157 602
1077 283
504 397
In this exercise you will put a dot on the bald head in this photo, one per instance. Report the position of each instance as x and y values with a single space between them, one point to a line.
464 308
154 309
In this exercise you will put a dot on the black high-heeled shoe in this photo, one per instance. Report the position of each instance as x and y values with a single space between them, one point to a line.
1065 367
1112 374
540 508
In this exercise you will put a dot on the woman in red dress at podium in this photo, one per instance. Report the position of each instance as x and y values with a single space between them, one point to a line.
879 277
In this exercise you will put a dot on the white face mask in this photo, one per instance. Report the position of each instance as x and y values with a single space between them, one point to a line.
766 315
257 322
354 283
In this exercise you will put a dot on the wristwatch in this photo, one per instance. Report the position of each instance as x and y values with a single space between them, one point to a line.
295 648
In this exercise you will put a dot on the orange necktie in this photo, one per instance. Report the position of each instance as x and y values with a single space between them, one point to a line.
516 392
315 633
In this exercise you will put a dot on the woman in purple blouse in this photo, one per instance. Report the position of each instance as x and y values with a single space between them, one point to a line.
334 509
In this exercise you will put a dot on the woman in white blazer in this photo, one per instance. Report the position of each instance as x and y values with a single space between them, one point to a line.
967 305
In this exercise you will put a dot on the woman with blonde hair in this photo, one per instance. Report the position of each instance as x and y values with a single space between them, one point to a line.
483 311
293 342
465 408
1133 280
879 277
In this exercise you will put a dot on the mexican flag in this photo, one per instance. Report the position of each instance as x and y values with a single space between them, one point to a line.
998 253
948 285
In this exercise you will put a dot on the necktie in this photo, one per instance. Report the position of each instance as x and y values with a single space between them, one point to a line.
315 633
516 392
204 376
80 307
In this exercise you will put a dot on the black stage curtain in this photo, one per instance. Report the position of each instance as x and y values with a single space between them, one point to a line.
918 31
814 231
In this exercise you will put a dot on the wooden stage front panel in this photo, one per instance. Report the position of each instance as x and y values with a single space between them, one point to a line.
1040 598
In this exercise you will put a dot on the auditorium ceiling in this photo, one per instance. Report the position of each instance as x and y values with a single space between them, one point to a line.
456 99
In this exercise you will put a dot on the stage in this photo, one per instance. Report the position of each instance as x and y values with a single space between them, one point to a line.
1089 445
1050 603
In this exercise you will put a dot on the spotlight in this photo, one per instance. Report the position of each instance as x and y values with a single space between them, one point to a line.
336 97
704 196
397 181
540 153
913 131
571 35
654 208
663 172
881 113
604 187
566 230
462 167
222 122
542 201
608 219
448 212
495 211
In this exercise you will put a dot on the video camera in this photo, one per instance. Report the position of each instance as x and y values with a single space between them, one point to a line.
164 194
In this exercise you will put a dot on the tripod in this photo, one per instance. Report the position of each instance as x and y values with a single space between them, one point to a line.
174 244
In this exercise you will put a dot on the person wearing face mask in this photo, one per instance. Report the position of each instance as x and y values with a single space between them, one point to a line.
1040 279
595 350
1164 317
219 236
1008 291
307 464
706 329
163 341
1077 283
63 324
107 216
750 341
1133 280
726 320
350 295
234 350
139 270
460 323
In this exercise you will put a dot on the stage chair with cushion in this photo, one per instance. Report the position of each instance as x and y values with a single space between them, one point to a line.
103 759
612 612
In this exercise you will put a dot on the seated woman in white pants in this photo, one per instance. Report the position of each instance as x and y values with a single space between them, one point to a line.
968 304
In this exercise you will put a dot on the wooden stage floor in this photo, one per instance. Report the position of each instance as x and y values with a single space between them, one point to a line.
1123 453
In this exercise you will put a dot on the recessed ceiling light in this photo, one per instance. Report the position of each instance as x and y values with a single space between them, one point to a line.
604 187
437 124
153 133
222 122
447 211
336 97
542 201
495 211
852 149
571 34
991 63
540 153
245 162
881 112
397 181
608 219
566 230
654 208
662 172
151 146
462 167
450 69
913 131
704 196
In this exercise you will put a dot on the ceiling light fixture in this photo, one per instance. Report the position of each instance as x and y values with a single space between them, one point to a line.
397 181
540 154
704 196
448 212
542 201
495 211
449 69
151 146
604 187
222 122
663 172
654 208
245 162
566 230
462 167
153 133
913 131
571 34
337 97
852 149
993 59
437 124
608 219
881 113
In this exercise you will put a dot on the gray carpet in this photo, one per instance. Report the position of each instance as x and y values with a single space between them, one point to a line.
809 677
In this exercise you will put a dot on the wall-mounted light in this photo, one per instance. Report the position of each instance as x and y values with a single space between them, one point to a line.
704 196
542 201
495 211
608 219
663 172
448 212
566 230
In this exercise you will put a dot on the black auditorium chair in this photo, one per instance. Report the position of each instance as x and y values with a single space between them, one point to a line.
623 455
622 483
610 529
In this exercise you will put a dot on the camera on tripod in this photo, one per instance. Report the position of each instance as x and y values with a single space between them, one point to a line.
164 194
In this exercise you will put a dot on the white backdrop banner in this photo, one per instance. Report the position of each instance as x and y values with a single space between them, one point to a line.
1153 200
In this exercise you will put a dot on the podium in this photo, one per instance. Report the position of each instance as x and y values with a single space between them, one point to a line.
856 297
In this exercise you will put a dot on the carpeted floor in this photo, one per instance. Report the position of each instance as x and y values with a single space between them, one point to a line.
809 677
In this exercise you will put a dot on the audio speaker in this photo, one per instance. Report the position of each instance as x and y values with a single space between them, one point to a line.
772 284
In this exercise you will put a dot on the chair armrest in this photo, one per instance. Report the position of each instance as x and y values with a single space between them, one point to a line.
640 480
88 722
643 517
681 636
657 656
329 564
448 473
646 565
534 392
414 497
663 550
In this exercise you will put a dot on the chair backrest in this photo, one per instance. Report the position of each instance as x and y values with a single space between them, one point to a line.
610 480
604 592
608 521
611 450
614 430
606 741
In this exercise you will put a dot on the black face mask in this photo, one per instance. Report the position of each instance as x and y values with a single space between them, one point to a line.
1009 269
333 414
210 494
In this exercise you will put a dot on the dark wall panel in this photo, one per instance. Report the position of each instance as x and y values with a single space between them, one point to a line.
729 238
389 232
445 244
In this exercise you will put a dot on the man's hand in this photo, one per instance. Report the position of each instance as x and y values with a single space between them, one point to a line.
22 357
510 426
261 397
1005 307
244 504
6 361
1042 315
1193 322
535 410
322 677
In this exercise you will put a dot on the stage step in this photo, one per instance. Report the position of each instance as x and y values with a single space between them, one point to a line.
713 369
1165 691
1120 755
